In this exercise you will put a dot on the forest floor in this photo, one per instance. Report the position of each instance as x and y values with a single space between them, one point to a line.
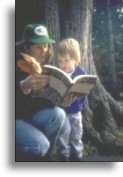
99 158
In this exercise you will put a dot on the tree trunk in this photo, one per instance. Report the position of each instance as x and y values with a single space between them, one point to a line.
76 20
112 83
52 18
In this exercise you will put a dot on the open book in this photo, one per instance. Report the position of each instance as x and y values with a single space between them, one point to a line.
61 84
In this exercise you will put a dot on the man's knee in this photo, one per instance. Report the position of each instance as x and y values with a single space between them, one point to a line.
59 114
53 116
30 140
36 149
39 148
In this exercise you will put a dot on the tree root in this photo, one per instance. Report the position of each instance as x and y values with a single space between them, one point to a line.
102 117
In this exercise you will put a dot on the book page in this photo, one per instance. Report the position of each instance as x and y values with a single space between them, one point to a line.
83 84
85 78
59 80
81 88
58 73
58 85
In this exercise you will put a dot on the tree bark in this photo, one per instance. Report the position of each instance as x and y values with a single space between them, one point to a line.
52 18
112 83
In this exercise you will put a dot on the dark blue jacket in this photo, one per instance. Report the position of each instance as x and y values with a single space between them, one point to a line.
78 104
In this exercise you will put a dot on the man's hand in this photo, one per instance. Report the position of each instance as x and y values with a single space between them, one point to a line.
35 82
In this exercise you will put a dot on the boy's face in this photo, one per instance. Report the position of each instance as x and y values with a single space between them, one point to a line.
66 63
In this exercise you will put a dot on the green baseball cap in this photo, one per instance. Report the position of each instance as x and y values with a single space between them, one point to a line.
37 34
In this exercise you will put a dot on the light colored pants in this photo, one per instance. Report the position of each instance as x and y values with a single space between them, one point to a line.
75 142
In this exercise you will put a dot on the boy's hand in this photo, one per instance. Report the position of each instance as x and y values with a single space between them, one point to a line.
68 99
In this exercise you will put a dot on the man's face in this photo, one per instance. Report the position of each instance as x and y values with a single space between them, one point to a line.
39 51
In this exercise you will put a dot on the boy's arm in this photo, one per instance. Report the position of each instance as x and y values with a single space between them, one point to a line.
69 99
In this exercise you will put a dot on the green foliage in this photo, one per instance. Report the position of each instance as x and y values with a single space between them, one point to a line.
89 148
120 134
100 37
121 94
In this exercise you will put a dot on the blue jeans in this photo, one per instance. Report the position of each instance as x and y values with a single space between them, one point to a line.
44 129
30 141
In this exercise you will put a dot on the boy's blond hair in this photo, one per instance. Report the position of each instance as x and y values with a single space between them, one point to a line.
69 46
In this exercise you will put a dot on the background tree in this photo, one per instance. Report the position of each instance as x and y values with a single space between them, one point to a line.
112 77
52 18
101 42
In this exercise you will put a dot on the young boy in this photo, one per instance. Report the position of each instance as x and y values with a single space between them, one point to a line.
68 59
